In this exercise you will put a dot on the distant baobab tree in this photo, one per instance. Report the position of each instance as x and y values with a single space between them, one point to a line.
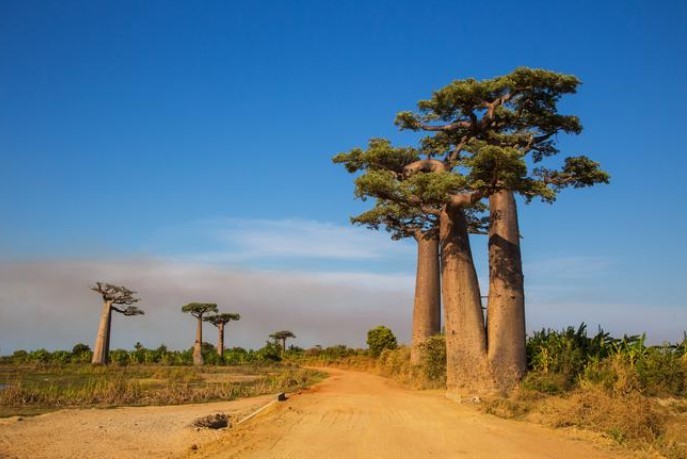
219 321
197 310
113 295
282 336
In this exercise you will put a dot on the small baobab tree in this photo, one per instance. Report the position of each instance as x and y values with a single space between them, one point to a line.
198 310
382 169
219 321
113 296
282 336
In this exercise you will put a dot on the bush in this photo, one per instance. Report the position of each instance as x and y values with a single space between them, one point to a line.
434 361
662 371
380 338
270 352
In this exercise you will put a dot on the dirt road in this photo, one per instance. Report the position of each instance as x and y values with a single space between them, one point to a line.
357 415
122 433
350 415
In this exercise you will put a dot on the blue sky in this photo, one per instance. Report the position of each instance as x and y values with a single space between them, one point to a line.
196 137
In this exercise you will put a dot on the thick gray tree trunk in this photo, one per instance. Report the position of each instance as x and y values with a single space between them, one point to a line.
466 348
427 303
100 348
506 307
198 345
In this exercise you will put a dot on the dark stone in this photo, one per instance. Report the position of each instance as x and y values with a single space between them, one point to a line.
212 421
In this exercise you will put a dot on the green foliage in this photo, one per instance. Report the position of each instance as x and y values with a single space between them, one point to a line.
222 319
380 338
20 356
559 361
80 348
282 335
565 353
335 352
199 309
434 360
39 355
270 352
397 206
497 123
380 155
161 355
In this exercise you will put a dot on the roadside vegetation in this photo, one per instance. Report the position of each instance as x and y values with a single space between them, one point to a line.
622 388
634 393
39 381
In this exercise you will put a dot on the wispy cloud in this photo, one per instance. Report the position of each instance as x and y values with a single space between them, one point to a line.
48 304
357 279
236 240
568 268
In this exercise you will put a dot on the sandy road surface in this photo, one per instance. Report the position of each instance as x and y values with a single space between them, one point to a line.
350 415
120 433
357 415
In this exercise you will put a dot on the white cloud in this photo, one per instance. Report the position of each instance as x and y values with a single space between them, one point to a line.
47 303
238 240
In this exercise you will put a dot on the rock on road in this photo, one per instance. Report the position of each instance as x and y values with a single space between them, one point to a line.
358 415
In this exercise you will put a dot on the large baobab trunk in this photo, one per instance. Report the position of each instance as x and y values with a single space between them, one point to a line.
220 341
466 348
100 349
427 304
506 307
198 345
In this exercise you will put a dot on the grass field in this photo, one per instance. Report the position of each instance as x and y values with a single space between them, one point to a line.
38 388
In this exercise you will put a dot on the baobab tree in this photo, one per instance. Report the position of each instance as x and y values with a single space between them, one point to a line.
113 296
198 310
407 221
282 336
405 208
490 129
431 188
219 321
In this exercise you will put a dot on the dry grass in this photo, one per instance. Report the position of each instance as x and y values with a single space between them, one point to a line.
631 419
33 389
393 364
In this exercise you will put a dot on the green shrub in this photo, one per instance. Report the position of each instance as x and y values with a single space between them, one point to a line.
379 339
433 365
662 371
